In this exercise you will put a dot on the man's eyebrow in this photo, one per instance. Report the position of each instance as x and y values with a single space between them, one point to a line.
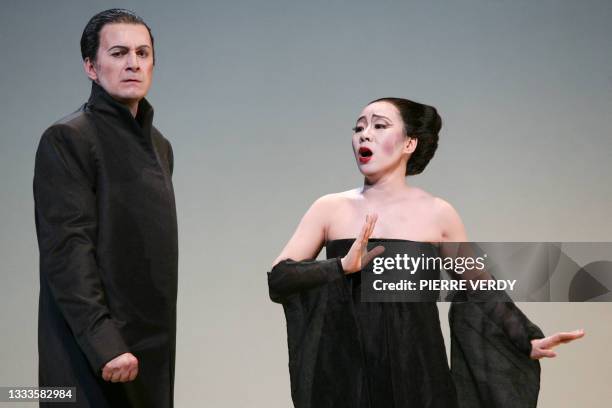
123 47
360 118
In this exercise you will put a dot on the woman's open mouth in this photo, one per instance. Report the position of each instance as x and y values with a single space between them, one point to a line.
365 155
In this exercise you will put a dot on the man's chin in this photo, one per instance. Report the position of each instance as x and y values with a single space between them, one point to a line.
133 94
128 97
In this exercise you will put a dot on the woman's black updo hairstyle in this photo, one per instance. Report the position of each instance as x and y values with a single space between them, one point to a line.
421 122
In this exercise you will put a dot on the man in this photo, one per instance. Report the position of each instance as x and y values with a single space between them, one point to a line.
107 231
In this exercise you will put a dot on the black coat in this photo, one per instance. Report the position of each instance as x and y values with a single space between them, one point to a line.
107 234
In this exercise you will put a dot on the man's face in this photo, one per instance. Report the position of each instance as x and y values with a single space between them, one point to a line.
124 62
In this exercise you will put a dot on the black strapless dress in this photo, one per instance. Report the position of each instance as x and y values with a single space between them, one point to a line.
353 354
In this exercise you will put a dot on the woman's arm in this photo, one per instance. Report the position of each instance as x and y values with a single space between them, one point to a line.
454 231
294 270
451 226
309 236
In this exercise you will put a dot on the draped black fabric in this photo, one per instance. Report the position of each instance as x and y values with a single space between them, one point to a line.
348 353
107 235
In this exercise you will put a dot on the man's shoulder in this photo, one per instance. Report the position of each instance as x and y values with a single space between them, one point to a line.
76 125
155 133
71 136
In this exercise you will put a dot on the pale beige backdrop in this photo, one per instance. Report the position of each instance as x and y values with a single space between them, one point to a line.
258 99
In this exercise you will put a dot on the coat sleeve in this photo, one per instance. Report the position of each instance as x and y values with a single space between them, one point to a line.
66 225
490 355
170 158
289 277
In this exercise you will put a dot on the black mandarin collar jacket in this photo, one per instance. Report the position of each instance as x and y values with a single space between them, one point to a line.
107 234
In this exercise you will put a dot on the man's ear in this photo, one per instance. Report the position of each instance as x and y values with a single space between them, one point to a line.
90 69
410 145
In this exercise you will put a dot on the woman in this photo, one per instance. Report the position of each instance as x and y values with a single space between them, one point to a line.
348 353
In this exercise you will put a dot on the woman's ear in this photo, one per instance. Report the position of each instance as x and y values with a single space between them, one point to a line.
410 144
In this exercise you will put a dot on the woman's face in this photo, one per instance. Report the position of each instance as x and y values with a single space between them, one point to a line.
379 141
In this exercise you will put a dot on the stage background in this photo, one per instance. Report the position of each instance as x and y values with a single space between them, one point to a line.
258 99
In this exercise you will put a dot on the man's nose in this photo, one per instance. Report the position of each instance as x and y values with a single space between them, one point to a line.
132 61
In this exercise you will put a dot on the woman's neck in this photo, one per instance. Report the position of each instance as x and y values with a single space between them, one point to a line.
385 187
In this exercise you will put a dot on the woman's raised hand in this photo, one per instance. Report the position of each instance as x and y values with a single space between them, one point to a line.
543 347
358 255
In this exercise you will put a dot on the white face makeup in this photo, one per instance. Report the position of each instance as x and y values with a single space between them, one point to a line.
379 141
124 62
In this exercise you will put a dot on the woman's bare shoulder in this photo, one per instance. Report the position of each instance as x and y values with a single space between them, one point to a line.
438 207
435 203
443 208
342 197
442 213
417 193
450 221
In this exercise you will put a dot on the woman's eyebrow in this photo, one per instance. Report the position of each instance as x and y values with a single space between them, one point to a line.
374 116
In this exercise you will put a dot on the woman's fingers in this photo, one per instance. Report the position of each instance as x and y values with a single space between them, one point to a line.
366 257
373 253
371 224
353 257
570 336
543 347
356 256
364 231
377 251
540 348
358 243
566 337
561 338
547 353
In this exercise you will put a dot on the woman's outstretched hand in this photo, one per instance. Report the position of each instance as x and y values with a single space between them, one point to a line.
543 347
358 255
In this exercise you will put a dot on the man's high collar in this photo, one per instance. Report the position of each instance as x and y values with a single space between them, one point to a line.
102 102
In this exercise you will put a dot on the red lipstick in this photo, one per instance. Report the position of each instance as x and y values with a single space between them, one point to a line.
365 155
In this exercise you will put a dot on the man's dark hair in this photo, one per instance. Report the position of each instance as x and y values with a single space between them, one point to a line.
90 40
421 122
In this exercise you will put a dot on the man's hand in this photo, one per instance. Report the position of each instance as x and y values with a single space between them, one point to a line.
543 347
122 368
